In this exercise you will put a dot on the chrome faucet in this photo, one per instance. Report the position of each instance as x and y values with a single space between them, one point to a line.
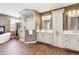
76 31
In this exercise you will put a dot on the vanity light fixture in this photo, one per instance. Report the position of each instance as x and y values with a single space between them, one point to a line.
19 9
47 17
42 17
72 12
69 13
78 11
37 27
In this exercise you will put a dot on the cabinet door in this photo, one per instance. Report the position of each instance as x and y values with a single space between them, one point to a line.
55 39
50 38
38 36
66 41
46 38
74 44
57 20
77 45
22 38
60 27
60 41
42 37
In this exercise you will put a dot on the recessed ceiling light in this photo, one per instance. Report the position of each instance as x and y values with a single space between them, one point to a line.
19 9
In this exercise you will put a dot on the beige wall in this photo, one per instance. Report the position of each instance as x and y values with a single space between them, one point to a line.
37 19
5 21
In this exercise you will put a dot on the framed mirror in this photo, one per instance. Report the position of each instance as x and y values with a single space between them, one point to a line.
73 22
46 22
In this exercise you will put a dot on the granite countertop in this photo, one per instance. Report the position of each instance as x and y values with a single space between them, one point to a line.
71 32
48 31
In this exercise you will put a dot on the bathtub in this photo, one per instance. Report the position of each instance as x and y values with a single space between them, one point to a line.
4 37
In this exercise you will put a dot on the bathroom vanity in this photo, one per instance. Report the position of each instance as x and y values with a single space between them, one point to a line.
71 35
65 38
45 36
71 40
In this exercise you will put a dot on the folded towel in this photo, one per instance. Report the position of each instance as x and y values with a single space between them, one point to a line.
30 32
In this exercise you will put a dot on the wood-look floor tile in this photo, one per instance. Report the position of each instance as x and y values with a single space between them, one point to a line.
16 47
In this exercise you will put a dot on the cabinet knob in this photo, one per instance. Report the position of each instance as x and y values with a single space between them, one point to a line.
42 35
66 35
66 45
66 40
56 34
24 27
78 40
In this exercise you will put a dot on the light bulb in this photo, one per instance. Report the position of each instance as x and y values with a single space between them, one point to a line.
69 13
49 16
74 11
19 9
43 17
78 10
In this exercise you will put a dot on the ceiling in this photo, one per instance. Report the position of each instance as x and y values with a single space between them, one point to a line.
14 8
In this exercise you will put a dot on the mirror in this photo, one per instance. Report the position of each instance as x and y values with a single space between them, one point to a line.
46 21
73 22
46 24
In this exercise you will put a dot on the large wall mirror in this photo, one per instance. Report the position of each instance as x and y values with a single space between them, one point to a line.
73 20
73 23
46 21
71 17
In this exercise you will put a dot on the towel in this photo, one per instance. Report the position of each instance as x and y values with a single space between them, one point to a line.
30 32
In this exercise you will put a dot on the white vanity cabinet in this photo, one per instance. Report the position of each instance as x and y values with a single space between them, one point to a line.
66 41
57 40
45 37
71 42
57 20
22 37
74 43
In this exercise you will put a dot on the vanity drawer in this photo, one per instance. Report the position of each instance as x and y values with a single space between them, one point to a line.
66 42
67 36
